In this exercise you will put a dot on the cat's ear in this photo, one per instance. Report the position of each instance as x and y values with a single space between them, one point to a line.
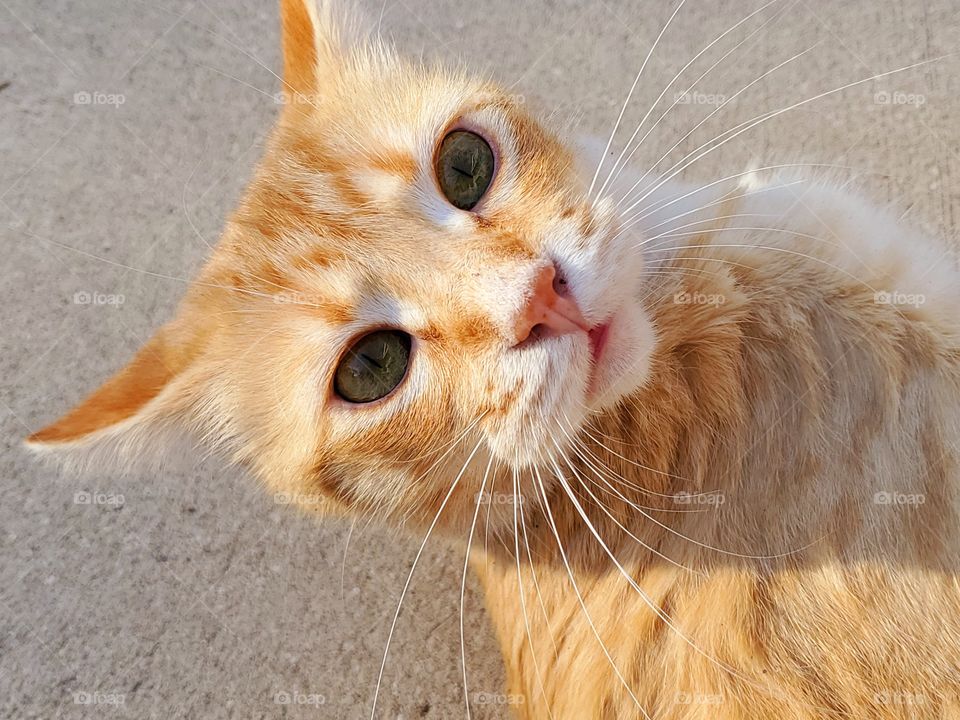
317 37
138 410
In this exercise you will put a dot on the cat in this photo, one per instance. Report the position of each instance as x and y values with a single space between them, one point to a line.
724 417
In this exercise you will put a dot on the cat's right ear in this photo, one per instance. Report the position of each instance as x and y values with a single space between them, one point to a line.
317 37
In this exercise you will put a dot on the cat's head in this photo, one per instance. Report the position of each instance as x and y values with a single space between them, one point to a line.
417 272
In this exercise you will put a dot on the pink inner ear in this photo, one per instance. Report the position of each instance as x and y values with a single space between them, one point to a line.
119 398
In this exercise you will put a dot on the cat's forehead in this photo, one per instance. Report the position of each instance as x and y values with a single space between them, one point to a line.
376 129
371 115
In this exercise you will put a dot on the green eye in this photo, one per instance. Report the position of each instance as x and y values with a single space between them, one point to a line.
373 366
464 168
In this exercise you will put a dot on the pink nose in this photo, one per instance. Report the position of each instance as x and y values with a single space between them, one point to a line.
549 310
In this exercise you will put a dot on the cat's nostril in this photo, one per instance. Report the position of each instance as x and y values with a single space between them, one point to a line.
549 310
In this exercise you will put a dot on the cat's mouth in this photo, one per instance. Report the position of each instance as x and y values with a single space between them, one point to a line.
597 336
598 341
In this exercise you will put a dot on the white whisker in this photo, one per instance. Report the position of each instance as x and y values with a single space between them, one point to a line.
523 602
731 131
760 119
659 205
633 87
621 162
463 583
413 567
583 606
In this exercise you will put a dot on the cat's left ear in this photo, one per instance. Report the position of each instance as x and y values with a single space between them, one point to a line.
318 35
158 395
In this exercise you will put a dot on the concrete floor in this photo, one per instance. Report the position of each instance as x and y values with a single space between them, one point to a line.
199 596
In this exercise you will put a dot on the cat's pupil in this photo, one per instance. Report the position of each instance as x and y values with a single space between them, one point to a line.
373 366
464 168
371 361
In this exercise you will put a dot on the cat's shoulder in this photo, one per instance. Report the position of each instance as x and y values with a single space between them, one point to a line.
812 227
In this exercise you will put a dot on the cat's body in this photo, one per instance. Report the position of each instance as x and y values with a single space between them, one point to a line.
726 420
822 425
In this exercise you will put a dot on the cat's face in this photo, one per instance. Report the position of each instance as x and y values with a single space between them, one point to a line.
417 271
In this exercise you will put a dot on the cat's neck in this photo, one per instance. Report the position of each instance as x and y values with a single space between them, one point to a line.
633 471
729 452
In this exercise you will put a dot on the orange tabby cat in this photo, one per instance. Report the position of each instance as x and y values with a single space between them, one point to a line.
729 452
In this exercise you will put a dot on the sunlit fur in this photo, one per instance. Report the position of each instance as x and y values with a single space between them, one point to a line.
698 533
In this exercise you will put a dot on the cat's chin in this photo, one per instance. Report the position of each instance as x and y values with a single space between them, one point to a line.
595 373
